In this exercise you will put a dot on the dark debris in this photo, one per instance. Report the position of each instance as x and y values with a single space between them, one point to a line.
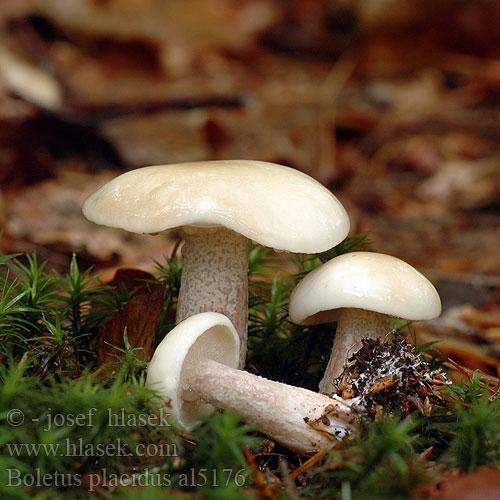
388 375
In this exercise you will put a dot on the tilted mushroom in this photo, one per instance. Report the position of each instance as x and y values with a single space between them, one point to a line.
360 290
219 206
195 365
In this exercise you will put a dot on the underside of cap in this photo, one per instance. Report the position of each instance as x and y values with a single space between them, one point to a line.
271 204
206 335
364 280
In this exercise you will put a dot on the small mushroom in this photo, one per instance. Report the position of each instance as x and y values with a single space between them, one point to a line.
360 290
194 367
219 206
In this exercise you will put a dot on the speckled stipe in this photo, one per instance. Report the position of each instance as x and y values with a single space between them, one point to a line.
281 411
215 277
353 325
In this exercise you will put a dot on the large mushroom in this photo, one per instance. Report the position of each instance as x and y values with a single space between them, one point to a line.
219 206
361 290
194 367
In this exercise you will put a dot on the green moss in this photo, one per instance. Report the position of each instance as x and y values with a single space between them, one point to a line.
100 428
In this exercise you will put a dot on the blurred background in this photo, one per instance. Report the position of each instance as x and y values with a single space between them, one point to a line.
393 104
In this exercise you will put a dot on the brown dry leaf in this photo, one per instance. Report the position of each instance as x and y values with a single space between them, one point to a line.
480 319
472 355
382 384
464 184
181 36
133 280
168 137
28 81
448 242
48 214
140 317
484 484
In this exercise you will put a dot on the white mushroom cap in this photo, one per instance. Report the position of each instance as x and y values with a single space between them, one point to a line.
271 204
364 280
209 335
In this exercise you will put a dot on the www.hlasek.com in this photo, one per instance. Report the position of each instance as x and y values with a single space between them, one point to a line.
80 448
193 478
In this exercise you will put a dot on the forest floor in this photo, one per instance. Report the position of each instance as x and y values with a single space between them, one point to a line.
399 115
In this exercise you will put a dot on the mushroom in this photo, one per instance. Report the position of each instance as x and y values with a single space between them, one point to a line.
219 206
360 290
194 367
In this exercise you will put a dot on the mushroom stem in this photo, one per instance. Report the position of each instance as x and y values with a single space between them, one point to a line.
300 419
215 277
353 326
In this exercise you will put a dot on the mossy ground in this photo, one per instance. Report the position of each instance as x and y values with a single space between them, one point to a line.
70 429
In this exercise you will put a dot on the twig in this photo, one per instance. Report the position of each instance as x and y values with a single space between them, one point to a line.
495 396
299 471
485 378
188 438
424 455
451 364
477 280
87 114
261 485
176 247
329 95
290 488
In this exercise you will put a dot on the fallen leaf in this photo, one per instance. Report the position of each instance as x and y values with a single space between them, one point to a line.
140 317
466 352
480 319
28 81
133 280
484 484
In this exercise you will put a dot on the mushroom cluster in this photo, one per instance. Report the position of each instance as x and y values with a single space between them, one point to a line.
219 206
